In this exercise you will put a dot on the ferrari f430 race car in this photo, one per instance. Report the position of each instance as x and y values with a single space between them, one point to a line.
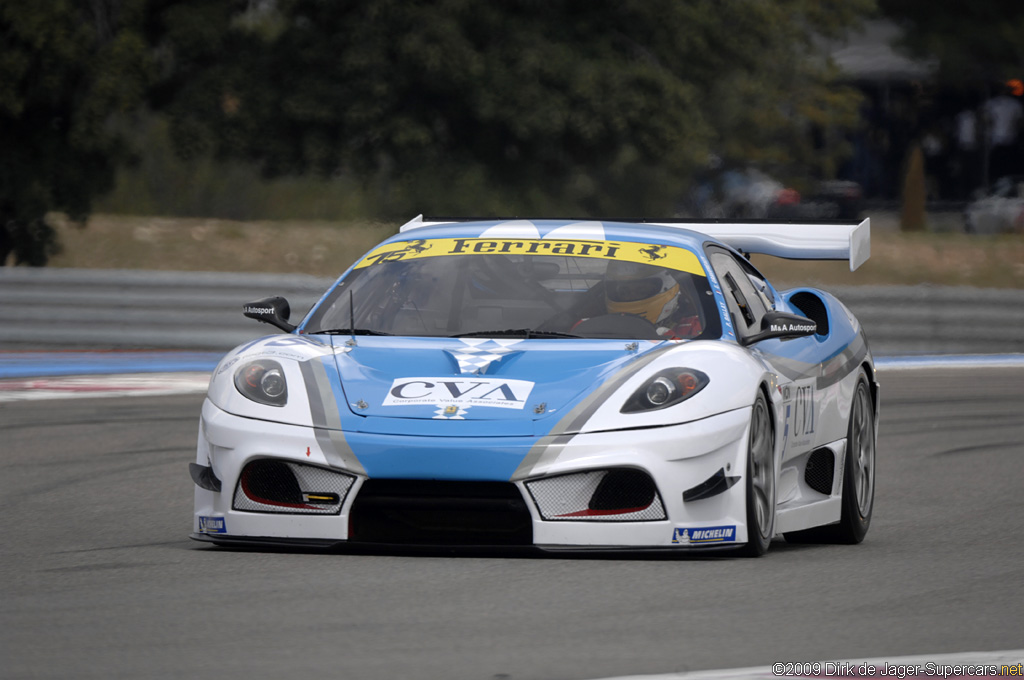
554 384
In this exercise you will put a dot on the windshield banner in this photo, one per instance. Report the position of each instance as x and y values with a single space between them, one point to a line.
670 257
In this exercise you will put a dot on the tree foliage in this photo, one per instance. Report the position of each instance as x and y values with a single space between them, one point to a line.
603 106
522 106
65 69
975 41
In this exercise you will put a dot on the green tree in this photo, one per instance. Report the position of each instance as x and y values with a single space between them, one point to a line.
65 69
602 106
974 42
598 106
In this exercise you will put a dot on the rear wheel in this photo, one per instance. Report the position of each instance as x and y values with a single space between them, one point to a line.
760 480
858 477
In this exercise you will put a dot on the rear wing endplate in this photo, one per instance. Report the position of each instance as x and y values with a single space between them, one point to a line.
791 240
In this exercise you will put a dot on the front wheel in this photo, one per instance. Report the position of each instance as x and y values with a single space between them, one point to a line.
760 480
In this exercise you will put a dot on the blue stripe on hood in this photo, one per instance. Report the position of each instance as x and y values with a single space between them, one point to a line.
420 446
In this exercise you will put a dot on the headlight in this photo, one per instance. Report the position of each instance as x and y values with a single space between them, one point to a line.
262 381
667 388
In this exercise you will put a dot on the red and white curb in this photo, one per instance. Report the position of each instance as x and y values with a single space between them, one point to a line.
955 666
88 386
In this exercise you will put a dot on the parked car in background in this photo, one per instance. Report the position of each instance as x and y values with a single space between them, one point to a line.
1001 211
751 193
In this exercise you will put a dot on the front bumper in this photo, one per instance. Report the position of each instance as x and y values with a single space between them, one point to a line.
677 458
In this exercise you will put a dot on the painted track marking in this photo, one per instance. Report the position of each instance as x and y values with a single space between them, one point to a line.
953 666
70 375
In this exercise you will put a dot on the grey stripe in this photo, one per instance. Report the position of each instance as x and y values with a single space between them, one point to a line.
318 389
827 373
550 445
841 365
792 368
545 450
337 451
327 420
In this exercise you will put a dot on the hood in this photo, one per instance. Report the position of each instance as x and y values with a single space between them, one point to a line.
475 379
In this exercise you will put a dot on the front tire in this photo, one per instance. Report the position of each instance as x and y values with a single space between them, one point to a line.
858 477
760 480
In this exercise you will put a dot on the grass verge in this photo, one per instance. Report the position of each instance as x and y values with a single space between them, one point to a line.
324 248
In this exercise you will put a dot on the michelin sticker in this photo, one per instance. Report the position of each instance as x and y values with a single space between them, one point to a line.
464 392
212 525
704 536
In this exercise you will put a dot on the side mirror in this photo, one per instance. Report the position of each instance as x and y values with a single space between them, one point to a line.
783 326
272 310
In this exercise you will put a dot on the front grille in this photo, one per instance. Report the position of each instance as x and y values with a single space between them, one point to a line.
430 512
820 470
268 485
615 495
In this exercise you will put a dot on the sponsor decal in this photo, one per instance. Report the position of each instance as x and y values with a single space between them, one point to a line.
459 391
728 331
259 310
226 365
804 412
704 535
306 343
212 525
672 257
478 354
792 328
450 412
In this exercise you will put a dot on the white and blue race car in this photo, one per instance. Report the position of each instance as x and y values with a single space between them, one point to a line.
555 384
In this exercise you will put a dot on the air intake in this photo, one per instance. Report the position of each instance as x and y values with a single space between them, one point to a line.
820 470
431 512
616 495
277 486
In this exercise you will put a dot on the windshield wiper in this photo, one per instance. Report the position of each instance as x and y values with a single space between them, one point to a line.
351 331
525 332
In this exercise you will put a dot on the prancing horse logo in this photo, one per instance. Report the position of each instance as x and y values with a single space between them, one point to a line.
653 252
416 246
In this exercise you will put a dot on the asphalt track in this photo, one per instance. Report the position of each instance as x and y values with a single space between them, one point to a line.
99 580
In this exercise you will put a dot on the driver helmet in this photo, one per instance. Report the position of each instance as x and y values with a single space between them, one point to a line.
640 289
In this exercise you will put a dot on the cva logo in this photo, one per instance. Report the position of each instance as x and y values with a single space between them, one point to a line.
476 391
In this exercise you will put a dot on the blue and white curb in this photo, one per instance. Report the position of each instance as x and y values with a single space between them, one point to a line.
962 361
91 386
28 364
28 376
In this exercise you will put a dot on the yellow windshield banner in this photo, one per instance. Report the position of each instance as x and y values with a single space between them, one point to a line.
670 257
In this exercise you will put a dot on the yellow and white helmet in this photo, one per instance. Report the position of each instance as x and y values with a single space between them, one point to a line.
640 289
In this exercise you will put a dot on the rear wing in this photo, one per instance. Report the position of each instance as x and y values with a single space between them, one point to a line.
791 240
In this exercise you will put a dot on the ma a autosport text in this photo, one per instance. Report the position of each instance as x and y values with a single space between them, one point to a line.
827 669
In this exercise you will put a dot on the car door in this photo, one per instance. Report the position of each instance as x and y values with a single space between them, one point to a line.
749 297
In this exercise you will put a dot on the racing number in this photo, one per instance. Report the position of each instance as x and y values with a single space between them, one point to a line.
803 411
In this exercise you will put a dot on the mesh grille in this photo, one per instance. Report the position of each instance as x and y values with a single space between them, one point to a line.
291 488
617 495
820 470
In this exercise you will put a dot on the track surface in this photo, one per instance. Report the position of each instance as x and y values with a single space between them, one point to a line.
99 580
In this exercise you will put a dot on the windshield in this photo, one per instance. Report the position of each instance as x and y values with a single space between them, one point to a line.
523 288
